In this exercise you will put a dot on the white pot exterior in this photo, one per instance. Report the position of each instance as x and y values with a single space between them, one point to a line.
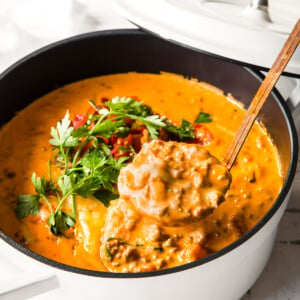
226 277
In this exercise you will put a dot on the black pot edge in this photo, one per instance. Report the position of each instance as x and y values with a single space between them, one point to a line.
281 197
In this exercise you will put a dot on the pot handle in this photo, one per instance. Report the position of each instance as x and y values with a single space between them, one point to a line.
290 90
294 99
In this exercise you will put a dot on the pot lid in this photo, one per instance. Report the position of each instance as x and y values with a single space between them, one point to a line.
243 31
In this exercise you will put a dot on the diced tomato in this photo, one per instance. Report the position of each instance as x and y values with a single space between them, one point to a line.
79 120
137 130
136 141
128 121
114 150
122 142
202 135
128 139
140 138
113 139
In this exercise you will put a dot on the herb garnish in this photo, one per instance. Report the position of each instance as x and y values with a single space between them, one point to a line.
91 152
203 118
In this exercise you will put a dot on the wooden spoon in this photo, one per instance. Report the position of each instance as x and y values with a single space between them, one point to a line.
262 94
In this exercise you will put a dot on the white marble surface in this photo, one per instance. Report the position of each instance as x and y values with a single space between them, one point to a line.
31 24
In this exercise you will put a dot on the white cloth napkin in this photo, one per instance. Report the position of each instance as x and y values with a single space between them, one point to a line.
17 270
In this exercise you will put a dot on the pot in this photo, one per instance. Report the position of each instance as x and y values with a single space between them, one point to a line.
227 274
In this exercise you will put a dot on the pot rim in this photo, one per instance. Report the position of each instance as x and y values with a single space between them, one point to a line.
281 197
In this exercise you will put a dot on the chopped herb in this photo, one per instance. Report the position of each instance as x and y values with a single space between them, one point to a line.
108 253
122 131
27 205
185 131
80 132
203 118
107 128
160 249
118 239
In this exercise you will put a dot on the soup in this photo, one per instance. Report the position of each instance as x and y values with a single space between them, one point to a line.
79 233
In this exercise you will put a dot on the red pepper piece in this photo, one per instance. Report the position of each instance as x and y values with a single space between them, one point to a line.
122 142
79 120
136 141
113 139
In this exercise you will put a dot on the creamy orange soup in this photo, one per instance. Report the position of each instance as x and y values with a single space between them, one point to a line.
25 148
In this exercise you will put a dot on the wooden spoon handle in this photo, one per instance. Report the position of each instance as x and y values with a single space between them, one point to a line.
262 94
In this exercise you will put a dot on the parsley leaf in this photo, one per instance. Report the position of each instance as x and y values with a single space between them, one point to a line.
118 164
39 183
88 186
61 135
80 132
153 123
27 205
203 118
108 177
129 106
66 184
59 222
105 196
107 128
92 162
105 148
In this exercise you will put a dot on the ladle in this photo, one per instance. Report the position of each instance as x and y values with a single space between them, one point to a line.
262 94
